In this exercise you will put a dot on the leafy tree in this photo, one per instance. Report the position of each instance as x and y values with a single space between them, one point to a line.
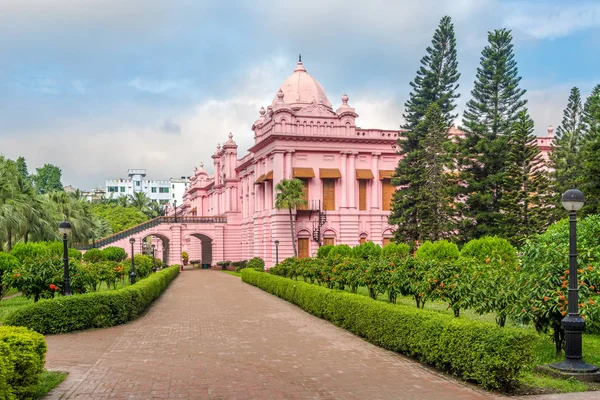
496 101
566 158
424 207
47 179
22 168
524 205
7 264
119 218
590 153
290 195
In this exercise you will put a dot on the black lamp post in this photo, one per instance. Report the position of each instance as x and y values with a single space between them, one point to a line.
132 274
276 252
573 324
175 209
153 259
65 228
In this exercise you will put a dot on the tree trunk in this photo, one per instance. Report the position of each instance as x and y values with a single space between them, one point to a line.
292 231
456 312
26 239
501 320
9 240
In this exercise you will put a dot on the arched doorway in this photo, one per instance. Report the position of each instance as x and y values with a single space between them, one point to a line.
205 250
161 247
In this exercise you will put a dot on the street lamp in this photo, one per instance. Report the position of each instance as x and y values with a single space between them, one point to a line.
64 228
132 274
573 324
153 259
276 252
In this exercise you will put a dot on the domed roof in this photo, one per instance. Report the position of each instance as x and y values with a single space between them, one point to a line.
300 89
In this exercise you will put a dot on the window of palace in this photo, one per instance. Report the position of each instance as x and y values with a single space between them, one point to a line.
363 176
112 189
387 191
153 190
329 241
163 190
362 239
328 194
386 241
303 250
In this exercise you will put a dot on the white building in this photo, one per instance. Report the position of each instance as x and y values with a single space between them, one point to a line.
162 191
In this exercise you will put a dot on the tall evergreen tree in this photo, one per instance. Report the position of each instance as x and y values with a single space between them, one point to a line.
565 158
436 82
524 204
496 101
22 168
590 153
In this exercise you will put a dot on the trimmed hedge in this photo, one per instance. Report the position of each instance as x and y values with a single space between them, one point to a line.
22 355
472 350
93 310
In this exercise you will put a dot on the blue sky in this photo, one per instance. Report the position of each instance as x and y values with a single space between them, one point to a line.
99 86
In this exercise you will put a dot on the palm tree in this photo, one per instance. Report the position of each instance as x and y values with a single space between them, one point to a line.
290 195
140 201
155 210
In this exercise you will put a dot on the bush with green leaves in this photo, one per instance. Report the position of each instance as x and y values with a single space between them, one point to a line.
143 265
113 253
543 279
395 250
93 310
323 251
57 249
22 356
8 263
239 265
342 250
488 248
472 350
93 255
442 250
367 251
256 263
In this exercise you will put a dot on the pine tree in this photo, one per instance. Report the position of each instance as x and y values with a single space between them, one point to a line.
495 104
436 82
565 157
590 153
437 194
524 204
22 168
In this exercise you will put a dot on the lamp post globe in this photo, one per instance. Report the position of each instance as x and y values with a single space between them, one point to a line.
572 323
64 228
132 274
153 259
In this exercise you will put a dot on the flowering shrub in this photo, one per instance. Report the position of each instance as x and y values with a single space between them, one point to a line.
113 253
441 250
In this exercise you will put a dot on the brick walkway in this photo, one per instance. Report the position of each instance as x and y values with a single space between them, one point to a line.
210 336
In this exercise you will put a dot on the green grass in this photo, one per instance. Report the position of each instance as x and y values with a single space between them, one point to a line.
8 306
48 381
11 292
233 273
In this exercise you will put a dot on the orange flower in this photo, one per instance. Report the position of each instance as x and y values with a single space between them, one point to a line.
545 298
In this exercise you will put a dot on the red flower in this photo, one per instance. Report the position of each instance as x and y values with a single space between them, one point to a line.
53 287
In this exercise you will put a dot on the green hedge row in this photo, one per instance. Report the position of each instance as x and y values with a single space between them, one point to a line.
472 350
22 355
93 310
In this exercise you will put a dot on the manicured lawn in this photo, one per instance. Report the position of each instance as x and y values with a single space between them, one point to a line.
48 381
9 305
233 273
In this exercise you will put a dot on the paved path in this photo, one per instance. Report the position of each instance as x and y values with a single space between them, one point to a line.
210 336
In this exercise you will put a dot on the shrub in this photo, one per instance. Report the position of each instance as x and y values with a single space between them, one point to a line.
490 247
342 250
143 265
28 250
57 249
7 264
367 251
442 250
113 253
239 265
23 353
93 255
396 250
473 350
257 263
93 310
323 251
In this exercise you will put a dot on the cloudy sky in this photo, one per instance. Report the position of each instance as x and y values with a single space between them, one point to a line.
100 86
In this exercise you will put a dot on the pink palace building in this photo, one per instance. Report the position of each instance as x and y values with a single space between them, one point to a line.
230 214
346 171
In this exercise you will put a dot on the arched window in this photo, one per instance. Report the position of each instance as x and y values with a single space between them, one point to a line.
329 238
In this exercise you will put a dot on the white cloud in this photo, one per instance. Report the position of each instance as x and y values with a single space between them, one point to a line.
547 21
158 86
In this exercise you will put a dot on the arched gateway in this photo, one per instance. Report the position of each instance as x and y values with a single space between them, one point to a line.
173 235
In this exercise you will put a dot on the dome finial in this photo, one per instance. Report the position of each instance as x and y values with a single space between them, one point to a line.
280 95
345 100
262 111
300 57
230 135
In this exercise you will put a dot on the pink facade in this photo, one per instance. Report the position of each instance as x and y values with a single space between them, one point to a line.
346 170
